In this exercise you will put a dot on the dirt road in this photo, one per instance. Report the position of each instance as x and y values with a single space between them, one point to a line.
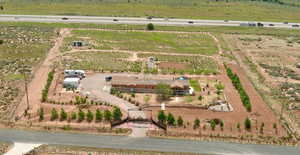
38 82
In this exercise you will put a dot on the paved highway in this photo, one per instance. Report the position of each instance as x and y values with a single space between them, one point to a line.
122 142
131 20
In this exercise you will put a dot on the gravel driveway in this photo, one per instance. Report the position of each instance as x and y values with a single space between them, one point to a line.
98 89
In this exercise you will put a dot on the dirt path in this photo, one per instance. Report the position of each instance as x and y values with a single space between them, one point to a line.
38 82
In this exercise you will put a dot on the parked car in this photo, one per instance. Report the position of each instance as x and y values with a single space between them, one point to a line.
149 17
108 78
225 20
260 24
285 22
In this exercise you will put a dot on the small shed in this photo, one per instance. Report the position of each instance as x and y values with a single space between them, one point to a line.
71 83
78 43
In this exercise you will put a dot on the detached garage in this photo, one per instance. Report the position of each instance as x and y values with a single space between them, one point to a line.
71 83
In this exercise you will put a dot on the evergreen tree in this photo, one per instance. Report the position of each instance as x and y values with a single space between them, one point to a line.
41 114
213 124
171 119
247 124
161 117
54 114
89 116
180 121
81 115
107 115
196 123
117 114
73 115
63 115
99 115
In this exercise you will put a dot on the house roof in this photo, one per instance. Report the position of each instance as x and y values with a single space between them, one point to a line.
124 80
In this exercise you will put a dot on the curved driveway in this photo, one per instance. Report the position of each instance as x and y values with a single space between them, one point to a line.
122 142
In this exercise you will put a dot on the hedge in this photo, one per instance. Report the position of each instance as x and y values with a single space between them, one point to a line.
237 84
47 86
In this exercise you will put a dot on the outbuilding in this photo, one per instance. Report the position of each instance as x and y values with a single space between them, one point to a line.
71 83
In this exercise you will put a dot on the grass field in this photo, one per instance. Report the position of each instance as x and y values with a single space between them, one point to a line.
149 41
192 64
21 48
197 9
99 61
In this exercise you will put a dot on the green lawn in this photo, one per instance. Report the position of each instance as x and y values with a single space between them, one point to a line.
149 41
195 85
197 9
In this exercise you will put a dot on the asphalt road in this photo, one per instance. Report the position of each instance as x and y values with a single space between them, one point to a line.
136 21
122 142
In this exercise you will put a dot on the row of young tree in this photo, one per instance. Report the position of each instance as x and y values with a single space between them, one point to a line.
80 115
170 120
237 84
47 86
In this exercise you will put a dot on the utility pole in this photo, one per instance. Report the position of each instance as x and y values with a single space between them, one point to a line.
26 86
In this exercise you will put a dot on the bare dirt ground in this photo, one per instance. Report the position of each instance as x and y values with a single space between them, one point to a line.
36 86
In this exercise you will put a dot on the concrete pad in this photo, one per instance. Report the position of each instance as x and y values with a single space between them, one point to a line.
21 148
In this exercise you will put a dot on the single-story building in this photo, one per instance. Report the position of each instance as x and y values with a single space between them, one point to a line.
71 83
139 85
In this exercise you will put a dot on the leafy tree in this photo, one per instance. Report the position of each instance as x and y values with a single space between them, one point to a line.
171 119
117 114
81 115
99 115
89 116
164 91
73 115
247 124
63 115
41 114
54 114
196 123
180 121
150 27
161 117
107 115
213 124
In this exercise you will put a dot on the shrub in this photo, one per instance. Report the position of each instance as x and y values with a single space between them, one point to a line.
150 27
200 98
99 115
213 124
196 123
180 121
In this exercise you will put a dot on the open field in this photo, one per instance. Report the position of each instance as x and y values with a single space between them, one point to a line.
101 61
271 64
184 64
198 9
148 41
21 48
